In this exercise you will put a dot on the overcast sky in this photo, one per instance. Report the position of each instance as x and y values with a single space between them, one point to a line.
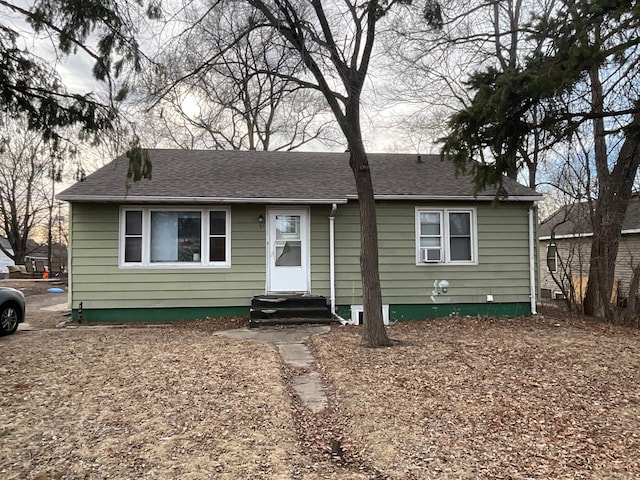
76 72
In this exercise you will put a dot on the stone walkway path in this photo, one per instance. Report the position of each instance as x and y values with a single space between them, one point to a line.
296 354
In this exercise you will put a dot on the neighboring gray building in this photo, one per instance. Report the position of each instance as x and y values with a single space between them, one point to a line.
566 237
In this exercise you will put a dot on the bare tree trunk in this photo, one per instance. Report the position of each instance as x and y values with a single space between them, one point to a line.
18 256
603 235
604 251
336 59
615 190
373 331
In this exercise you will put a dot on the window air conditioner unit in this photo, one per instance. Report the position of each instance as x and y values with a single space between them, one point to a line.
431 255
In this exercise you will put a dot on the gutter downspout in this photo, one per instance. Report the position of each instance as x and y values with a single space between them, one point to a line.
532 261
332 263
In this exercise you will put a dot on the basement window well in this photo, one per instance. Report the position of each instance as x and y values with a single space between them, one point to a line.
357 314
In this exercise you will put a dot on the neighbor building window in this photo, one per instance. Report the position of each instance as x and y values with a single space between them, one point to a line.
171 237
552 258
445 236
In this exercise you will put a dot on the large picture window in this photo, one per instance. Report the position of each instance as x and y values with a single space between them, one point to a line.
175 237
445 236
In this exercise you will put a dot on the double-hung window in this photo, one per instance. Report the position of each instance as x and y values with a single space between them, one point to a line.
552 258
132 236
445 236
175 237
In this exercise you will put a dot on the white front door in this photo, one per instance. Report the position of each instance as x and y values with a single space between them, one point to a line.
288 250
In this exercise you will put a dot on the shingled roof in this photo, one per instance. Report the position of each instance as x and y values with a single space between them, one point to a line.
575 220
199 176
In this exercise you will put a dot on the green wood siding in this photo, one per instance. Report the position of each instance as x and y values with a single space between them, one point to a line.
320 268
503 257
502 270
99 283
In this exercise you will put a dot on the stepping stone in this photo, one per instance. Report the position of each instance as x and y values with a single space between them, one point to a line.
309 389
296 355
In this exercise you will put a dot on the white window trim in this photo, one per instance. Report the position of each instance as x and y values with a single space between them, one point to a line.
446 243
146 238
555 259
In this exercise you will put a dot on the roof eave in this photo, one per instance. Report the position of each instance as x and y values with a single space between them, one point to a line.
195 200
566 235
484 198
630 231
277 200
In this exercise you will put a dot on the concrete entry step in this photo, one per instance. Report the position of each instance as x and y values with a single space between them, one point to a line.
275 320
289 301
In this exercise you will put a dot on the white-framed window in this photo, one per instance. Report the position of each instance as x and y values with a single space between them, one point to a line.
552 258
175 237
446 235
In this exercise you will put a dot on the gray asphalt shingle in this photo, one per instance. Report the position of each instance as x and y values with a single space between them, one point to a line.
184 175
576 219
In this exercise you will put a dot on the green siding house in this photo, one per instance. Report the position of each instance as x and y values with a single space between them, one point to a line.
212 229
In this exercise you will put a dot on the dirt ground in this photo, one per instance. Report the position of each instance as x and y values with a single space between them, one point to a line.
494 399
548 398
34 287
132 403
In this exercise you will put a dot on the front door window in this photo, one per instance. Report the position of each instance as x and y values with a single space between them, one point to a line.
288 241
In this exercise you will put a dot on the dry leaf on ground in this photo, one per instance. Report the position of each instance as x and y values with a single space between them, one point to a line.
484 398
128 403
453 399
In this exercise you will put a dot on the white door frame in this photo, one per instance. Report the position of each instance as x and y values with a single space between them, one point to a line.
301 278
